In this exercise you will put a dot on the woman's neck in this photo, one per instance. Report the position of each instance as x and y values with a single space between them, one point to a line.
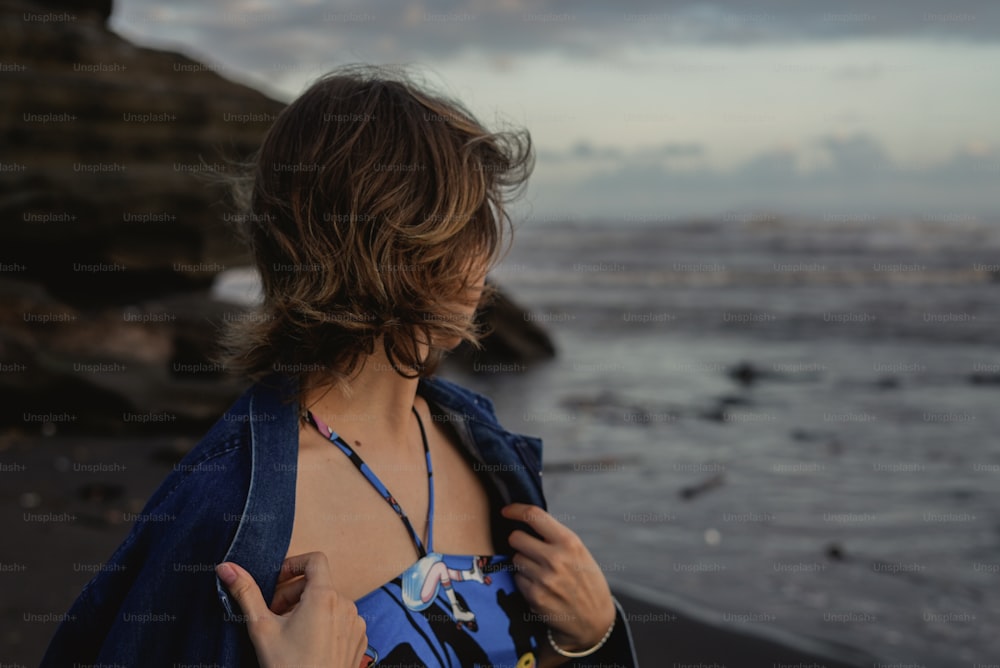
377 410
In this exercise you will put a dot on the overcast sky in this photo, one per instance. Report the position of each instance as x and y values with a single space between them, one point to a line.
664 110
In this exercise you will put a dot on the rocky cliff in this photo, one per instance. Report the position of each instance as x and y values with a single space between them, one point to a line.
114 225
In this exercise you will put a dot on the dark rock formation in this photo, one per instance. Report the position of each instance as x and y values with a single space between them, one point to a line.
115 222
984 378
99 10
112 233
513 340
106 150
691 491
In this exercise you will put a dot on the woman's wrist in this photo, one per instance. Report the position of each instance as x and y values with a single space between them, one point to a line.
568 646
546 657
564 641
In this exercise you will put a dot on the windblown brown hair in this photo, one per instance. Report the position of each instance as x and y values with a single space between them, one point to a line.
371 206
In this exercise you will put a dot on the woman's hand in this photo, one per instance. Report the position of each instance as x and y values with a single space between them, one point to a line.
560 579
308 624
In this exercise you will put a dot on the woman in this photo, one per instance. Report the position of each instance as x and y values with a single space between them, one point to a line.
366 512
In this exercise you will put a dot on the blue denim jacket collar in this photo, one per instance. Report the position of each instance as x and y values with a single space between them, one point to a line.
265 527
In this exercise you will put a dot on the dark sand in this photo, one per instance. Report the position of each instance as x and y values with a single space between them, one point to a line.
667 638
64 512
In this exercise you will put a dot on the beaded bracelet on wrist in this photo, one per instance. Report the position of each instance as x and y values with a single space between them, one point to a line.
586 652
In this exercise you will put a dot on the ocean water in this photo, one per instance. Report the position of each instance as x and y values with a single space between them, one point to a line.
845 487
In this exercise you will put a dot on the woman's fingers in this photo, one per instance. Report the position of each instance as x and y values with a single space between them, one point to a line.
297 573
313 565
314 624
246 592
549 528
559 577
287 595
529 546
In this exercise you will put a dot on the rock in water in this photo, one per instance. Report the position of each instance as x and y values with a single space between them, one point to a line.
513 340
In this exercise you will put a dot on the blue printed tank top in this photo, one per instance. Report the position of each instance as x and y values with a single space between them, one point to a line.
446 609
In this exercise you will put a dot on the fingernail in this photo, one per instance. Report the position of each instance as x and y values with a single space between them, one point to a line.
226 573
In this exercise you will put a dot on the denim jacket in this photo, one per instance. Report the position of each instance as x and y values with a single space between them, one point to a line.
158 602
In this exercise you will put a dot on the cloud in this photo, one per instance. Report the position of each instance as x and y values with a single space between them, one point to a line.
584 151
857 178
678 150
271 34
281 45
855 155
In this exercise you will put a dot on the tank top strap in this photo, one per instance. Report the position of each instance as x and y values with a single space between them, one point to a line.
369 475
